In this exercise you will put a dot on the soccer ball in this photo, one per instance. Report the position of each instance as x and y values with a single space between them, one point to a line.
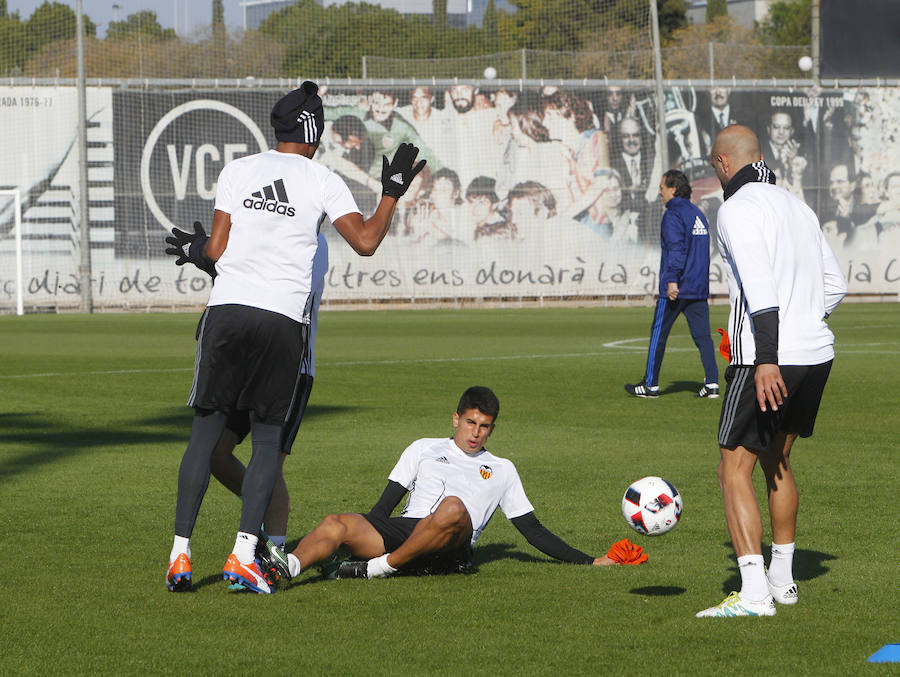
652 506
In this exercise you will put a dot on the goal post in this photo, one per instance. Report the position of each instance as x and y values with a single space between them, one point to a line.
16 220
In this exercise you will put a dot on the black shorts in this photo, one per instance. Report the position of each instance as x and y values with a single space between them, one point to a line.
742 423
248 359
238 422
394 532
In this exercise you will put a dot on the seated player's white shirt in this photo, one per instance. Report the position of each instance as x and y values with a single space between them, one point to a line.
434 468
277 202
777 257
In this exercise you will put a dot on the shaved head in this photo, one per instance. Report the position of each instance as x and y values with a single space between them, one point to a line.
736 147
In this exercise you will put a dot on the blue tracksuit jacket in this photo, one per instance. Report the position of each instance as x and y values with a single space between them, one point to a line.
685 250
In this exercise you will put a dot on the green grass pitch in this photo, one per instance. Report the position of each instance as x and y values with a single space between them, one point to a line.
93 425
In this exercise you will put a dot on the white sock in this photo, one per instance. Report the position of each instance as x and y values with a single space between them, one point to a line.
245 547
181 545
781 566
378 567
278 540
294 565
753 578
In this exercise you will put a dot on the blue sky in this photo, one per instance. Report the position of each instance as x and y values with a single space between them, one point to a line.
190 13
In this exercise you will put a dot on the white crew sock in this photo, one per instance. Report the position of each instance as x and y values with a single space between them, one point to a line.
245 547
278 540
753 578
781 566
294 565
181 545
378 567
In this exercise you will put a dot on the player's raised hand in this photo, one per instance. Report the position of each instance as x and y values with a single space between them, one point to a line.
397 174
188 248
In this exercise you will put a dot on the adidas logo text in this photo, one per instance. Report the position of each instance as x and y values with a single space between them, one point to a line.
272 198
699 228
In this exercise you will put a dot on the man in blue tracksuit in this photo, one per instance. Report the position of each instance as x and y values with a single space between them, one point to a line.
683 285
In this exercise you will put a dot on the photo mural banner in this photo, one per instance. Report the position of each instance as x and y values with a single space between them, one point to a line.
529 192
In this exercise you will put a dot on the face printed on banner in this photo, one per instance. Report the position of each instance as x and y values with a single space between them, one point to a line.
381 105
839 185
630 132
868 191
780 128
719 96
479 208
614 97
420 100
463 97
444 193
611 195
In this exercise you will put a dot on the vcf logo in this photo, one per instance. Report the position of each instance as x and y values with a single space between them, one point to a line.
177 163
485 471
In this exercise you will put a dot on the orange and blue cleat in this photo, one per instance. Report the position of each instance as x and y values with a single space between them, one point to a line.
178 577
248 575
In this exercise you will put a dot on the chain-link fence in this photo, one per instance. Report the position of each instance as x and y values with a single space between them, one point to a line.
530 191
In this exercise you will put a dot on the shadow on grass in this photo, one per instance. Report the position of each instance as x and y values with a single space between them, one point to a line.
658 590
808 564
47 439
681 387
497 551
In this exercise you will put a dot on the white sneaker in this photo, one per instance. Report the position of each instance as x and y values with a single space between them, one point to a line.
733 605
783 594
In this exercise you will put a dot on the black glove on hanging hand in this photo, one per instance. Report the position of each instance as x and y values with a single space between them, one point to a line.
397 174
188 247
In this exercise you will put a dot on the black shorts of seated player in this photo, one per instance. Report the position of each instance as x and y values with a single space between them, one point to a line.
742 423
396 530
228 378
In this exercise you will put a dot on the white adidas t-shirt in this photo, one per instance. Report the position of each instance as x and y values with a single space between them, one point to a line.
434 468
777 257
277 202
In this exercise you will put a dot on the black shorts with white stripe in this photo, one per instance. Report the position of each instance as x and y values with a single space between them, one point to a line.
238 422
248 359
742 423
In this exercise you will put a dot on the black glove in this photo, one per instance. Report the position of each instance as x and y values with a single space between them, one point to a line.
188 247
397 174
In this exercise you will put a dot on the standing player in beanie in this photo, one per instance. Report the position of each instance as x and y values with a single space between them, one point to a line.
224 465
253 334
783 281
683 286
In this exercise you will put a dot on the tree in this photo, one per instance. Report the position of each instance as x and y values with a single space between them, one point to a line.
490 28
54 21
218 14
142 23
716 8
3 9
13 45
788 22
672 16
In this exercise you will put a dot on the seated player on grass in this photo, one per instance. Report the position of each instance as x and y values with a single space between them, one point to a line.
454 486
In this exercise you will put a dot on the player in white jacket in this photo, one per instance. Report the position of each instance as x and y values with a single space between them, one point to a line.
783 281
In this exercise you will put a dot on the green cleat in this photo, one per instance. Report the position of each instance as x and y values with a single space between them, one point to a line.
272 560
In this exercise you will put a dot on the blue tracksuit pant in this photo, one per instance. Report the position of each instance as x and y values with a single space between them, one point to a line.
696 312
